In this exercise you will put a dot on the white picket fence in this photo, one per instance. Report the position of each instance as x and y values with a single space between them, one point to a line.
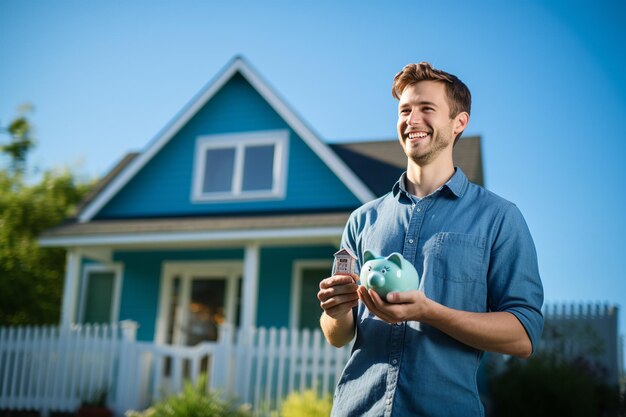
53 369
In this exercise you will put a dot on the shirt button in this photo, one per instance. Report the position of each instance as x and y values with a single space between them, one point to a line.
395 361
419 209
411 241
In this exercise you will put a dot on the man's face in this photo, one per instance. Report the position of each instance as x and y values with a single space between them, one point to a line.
425 128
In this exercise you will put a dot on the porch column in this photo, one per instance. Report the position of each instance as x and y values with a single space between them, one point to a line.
70 288
250 286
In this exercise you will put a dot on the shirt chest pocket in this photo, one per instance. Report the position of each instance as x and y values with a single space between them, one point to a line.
458 257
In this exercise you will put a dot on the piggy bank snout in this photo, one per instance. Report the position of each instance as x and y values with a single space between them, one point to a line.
376 280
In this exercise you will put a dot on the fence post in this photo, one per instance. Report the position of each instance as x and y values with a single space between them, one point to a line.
126 379
221 360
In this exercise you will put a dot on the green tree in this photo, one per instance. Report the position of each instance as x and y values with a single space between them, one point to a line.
31 277
21 132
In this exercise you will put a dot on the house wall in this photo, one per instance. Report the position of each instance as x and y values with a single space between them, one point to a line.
275 280
142 281
141 286
163 186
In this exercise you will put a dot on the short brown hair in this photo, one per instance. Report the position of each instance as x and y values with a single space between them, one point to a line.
459 96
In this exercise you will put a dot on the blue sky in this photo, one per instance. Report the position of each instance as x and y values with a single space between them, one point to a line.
548 83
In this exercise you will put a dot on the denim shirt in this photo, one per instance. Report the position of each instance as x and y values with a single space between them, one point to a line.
473 252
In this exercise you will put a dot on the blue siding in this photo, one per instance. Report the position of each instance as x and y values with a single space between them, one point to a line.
163 186
142 281
275 278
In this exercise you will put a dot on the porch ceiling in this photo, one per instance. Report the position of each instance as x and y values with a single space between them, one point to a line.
159 231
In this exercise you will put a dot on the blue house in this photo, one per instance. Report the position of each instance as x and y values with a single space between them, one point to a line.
231 214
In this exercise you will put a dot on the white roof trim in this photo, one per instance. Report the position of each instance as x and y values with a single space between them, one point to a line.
345 174
191 237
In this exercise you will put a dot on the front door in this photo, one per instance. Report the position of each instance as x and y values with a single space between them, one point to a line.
197 298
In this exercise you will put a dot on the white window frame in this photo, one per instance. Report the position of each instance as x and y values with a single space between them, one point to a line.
117 270
239 141
296 285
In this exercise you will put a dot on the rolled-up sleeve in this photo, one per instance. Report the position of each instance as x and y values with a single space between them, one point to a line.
513 276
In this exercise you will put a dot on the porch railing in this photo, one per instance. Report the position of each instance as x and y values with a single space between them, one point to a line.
54 369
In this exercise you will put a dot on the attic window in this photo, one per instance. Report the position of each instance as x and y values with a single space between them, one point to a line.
240 166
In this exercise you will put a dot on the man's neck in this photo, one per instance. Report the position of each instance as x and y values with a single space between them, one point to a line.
424 180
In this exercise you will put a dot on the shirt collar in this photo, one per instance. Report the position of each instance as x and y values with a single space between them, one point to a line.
399 189
457 184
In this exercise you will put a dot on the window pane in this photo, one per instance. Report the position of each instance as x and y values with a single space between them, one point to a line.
238 303
206 309
99 297
310 309
218 171
258 171
174 319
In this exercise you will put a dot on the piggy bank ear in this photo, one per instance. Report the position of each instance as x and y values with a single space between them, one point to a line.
369 255
396 258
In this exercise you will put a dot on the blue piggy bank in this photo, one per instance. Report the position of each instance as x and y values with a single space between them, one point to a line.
390 274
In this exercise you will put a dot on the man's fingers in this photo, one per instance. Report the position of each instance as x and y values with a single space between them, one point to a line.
338 294
341 309
375 304
338 280
402 297
338 299
367 300
326 293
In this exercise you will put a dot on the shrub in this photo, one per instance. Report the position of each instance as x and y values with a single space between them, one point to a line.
545 387
193 401
306 404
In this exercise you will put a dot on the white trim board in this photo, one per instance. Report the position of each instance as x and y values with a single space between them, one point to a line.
192 237
345 174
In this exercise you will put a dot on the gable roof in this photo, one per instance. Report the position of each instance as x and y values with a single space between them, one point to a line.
101 184
237 65
380 163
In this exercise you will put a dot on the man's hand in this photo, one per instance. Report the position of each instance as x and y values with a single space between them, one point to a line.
338 295
399 307
498 331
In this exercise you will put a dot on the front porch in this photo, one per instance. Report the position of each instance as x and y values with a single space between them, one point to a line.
143 270
233 297
55 368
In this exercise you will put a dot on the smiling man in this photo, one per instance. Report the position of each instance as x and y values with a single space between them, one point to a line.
417 353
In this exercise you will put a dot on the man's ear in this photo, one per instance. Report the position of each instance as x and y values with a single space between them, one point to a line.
460 122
